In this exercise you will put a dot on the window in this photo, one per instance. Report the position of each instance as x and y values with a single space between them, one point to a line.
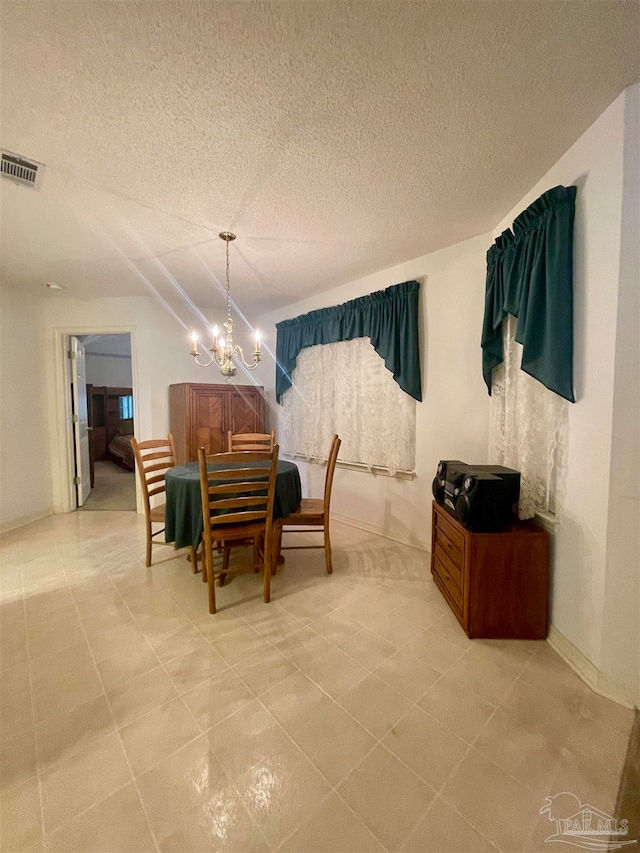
345 388
126 407
529 430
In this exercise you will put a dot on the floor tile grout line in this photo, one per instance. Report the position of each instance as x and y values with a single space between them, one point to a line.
122 746
231 666
84 811
332 788
35 742
384 746
189 711
472 747
378 742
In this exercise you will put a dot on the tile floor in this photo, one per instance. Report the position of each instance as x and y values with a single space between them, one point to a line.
350 714
114 488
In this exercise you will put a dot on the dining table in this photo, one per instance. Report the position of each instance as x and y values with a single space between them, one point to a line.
183 512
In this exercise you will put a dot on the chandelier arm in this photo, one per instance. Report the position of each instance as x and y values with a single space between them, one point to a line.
237 353
203 363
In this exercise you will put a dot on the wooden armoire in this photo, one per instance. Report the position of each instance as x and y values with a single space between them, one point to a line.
201 415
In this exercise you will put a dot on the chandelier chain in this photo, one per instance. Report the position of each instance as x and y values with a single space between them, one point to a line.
223 351
228 285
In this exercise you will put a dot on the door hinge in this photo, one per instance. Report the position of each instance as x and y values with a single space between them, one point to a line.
77 481
74 419
71 354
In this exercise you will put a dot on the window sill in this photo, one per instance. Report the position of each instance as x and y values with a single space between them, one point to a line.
547 520
378 470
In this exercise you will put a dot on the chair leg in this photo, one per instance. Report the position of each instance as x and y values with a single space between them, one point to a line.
149 545
256 555
193 556
211 581
204 564
267 574
276 541
225 566
279 558
327 548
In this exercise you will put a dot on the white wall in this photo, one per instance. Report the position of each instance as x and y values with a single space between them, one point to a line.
595 164
25 462
620 651
451 420
113 371
108 360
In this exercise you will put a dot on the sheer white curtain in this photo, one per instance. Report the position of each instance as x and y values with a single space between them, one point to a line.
528 431
345 388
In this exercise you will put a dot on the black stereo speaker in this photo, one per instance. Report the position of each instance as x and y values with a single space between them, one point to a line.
440 480
481 497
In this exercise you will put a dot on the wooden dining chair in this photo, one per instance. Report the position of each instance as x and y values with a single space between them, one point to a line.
237 506
251 441
313 513
153 458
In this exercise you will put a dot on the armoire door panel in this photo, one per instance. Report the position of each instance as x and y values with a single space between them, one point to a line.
208 422
246 412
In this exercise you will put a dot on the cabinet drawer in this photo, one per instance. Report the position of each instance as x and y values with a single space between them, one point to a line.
455 571
453 553
450 532
447 580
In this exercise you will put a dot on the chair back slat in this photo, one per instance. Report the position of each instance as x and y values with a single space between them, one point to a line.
238 474
331 467
236 488
158 466
157 478
241 456
251 441
161 448
162 454
239 502
236 518
153 442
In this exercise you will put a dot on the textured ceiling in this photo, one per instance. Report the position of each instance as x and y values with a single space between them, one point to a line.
335 138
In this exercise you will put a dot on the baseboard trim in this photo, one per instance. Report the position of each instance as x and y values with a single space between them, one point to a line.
373 528
24 519
587 671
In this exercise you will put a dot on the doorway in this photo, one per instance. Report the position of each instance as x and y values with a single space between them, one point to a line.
103 416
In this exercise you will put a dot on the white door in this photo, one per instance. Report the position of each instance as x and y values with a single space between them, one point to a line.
80 419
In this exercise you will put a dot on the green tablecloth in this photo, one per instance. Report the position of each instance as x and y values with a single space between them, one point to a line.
183 517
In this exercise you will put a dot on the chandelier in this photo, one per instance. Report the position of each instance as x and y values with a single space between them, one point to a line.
223 351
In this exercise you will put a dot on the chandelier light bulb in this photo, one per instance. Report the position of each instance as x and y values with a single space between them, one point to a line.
194 337
216 332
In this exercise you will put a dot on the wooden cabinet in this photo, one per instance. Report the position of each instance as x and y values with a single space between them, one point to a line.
497 584
201 416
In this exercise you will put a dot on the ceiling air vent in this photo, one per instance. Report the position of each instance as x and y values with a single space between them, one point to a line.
27 173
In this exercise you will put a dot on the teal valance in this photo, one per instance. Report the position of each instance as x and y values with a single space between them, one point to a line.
530 275
389 317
